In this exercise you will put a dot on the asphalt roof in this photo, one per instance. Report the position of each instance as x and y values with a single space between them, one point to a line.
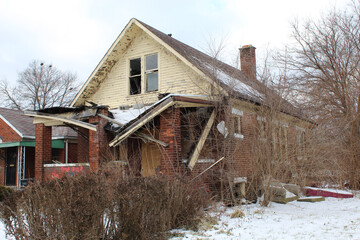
24 124
230 78
19 121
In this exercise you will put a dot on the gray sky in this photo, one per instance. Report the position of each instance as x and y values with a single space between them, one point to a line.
74 35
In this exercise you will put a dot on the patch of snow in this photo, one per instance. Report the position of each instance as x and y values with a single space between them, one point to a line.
238 135
289 194
3 232
330 219
125 116
237 112
237 85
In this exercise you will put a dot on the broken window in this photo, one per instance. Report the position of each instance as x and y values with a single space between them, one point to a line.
151 72
135 76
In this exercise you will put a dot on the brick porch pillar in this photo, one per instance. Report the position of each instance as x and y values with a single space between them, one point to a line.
98 141
83 145
43 136
170 133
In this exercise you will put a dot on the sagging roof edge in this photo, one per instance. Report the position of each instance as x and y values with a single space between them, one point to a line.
61 119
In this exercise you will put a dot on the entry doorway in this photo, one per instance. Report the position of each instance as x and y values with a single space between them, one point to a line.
11 156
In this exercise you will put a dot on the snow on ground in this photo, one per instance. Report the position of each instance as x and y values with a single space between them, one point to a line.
2 231
331 219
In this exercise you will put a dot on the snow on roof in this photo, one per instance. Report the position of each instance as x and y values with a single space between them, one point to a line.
125 116
235 84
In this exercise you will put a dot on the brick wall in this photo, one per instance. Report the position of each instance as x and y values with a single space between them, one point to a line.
7 133
42 148
170 132
98 141
83 145
30 162
51 171
248 61
72 152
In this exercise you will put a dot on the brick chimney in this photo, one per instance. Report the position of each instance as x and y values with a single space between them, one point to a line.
248 61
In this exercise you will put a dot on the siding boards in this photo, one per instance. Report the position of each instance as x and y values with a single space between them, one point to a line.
174 76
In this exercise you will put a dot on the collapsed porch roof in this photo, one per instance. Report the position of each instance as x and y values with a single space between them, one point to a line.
64 117
156 109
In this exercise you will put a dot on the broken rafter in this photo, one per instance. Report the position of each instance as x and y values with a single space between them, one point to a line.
200 144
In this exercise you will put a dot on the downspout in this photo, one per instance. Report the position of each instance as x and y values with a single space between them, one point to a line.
18 167
66 151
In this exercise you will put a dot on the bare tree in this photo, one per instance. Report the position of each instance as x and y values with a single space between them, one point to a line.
325 62
40 86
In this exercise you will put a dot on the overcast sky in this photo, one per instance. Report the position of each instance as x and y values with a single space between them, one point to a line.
74 35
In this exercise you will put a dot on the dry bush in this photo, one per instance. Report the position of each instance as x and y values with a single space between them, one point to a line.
145 208
69 208
98 207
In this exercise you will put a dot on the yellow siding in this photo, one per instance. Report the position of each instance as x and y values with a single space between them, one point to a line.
174 76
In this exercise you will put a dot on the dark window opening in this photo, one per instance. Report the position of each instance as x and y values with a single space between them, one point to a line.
135 76
135 85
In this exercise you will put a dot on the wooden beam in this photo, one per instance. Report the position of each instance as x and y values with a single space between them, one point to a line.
200 144
43 117
208 168
150 138
48 122
188 104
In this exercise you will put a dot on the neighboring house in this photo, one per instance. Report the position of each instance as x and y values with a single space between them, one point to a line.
17 147
162 107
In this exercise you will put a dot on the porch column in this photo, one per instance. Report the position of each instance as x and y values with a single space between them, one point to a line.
170 133
43 136
98 142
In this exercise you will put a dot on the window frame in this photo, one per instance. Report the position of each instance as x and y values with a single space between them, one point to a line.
135 76
143 74
151 71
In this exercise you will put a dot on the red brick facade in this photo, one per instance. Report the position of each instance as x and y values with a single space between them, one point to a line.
83 145
43 136
7 133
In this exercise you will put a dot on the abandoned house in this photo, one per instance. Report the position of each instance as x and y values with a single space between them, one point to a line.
17 147
155 105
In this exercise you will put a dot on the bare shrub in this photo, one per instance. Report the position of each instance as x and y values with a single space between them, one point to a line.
97 207
145 208
69 208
